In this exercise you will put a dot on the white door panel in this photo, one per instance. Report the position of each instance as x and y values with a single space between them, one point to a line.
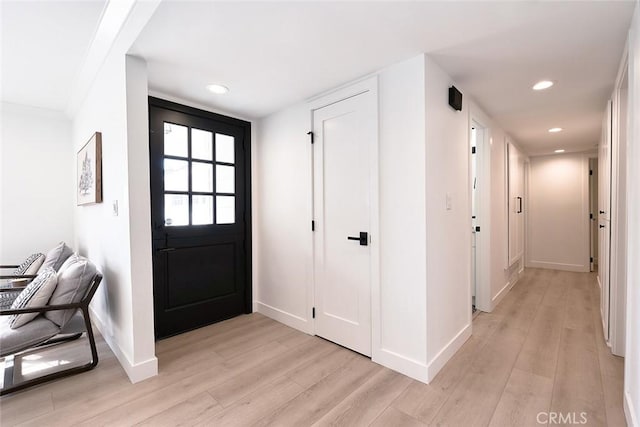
344 132
515 165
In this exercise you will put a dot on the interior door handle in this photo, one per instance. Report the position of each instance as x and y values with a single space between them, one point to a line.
602 226
363 238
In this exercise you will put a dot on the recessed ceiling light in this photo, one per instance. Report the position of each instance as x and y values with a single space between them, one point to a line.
554 130
543 84
218 89
559 151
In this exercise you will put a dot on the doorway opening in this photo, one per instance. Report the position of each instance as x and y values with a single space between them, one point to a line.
201 216
479 181
345 225
593 213
474 215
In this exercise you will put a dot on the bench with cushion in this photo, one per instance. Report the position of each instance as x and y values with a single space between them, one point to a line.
53 308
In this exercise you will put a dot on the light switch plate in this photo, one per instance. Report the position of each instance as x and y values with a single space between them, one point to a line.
449 202
114 207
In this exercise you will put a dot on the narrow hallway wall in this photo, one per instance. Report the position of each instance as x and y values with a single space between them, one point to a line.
558 235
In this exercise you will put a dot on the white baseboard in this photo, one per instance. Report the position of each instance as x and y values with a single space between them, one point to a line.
399 363
282 316
504 291
560 266
387 358
447 352
629 411
136 372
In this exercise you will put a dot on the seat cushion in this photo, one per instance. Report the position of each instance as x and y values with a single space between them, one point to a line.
30 266
36 294
35 332
75 325
73 282
57 256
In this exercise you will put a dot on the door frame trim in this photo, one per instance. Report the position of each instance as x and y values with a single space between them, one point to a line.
367 85
483 243
246 126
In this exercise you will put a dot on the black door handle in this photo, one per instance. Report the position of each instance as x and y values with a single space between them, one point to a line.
602 226
363 238
602 212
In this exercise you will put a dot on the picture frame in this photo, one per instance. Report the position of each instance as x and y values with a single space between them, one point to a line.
89 171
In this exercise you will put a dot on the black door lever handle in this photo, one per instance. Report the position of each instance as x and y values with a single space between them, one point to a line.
602 226
363 238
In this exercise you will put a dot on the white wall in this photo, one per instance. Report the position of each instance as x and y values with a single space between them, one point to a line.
448 230
37 180
139 204
558 214
284 237
112 101
283 213
618 215
116 105
403 238
632 357
425 294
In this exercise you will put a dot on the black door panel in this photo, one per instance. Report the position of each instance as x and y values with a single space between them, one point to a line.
201 216
200 273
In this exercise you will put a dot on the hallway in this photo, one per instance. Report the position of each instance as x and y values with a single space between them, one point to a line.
541 350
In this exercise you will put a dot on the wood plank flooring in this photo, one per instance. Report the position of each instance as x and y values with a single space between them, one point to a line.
541 350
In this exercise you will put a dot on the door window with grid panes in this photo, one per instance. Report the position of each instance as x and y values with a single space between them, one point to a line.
199 176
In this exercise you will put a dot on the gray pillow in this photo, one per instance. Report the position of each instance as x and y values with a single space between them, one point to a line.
73 282
30 266
36 294
57 256
73 258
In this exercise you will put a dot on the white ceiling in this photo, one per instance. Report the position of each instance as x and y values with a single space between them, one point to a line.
274 54
44 45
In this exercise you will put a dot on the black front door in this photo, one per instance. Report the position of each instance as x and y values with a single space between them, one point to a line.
201 216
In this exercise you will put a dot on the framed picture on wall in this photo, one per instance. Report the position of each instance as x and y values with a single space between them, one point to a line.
89 171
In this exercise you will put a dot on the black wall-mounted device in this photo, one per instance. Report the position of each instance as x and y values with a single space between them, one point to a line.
455 98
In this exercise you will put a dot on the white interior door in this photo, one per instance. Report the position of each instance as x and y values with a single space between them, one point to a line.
593 213
515 165
345 137
474 213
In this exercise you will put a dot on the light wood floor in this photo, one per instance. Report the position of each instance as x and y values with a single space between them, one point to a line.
541 350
